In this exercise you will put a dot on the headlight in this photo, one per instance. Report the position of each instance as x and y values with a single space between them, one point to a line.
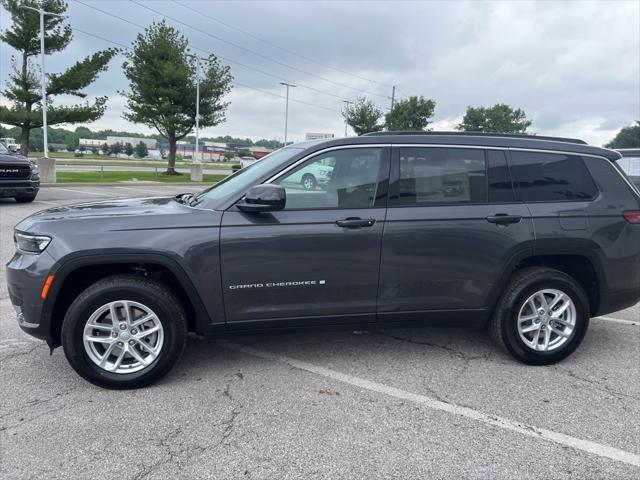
26 243
34 167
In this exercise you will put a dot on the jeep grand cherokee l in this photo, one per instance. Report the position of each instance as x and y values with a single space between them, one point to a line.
19 178
531 236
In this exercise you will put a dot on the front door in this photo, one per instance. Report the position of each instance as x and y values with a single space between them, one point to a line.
316 261
453 225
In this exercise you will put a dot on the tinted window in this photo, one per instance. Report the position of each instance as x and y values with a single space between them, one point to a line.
338 179
500 187
549 177
442 175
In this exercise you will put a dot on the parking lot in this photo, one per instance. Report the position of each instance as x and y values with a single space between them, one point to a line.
402 403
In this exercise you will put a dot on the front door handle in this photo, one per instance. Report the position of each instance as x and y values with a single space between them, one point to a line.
504 219
355 222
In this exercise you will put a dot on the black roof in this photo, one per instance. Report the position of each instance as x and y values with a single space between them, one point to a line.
478 134
629 152
528 142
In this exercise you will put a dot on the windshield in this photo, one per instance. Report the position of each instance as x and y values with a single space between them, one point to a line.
3 149
630 165
240 181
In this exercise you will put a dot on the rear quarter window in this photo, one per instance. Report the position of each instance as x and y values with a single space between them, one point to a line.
551 177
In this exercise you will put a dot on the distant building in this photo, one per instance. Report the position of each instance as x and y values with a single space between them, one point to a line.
90 143
317 136
259 152
152 143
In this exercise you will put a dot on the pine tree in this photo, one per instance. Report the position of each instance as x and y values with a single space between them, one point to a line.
23 90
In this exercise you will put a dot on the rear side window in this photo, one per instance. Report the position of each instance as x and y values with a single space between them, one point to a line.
551 177
442 175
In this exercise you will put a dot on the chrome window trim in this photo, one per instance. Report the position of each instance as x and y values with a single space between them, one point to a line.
445 145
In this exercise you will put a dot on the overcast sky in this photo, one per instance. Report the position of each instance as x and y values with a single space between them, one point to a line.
573 66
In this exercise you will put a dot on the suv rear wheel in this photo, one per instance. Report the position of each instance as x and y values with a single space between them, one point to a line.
542 316
124 332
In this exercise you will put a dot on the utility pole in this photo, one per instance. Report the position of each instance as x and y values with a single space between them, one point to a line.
393 96
196 156
347 102
43 81
286 111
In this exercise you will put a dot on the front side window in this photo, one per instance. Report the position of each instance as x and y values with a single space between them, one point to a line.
337 179
551 177
442 175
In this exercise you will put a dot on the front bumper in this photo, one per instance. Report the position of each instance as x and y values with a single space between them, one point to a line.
18 188
26 275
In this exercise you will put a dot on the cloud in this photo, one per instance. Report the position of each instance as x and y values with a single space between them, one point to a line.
574 67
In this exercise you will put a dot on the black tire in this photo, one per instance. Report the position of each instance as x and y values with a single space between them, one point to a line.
308 182
25 198
523 284
133 288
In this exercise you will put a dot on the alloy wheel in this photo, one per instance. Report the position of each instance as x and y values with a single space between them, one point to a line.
123 337
547 320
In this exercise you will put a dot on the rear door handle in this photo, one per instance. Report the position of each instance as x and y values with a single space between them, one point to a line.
504 219
354 222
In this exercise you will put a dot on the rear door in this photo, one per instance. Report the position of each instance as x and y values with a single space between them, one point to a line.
316 261
452 227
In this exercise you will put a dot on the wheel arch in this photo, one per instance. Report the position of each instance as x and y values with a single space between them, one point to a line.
77 273
580 265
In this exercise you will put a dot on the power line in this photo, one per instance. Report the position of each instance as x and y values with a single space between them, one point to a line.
248 50
226 59
284 49
236 83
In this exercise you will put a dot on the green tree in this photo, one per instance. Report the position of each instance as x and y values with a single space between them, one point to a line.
500 118
413 114
128 149
363 116
141 150
628 137
116 148
162 81
23 90
105 148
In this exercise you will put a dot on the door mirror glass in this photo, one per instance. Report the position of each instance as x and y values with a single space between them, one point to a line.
263 198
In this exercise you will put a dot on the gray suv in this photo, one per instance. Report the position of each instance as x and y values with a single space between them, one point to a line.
530 236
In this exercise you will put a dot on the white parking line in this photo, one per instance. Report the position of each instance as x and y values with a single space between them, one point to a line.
493 420
136 189
105 195
619 320
46 203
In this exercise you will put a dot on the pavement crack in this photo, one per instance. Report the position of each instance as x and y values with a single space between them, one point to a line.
21 353
597 384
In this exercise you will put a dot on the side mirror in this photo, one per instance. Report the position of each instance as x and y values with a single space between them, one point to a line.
263 198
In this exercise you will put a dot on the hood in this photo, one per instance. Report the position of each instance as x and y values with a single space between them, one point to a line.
113 215
13 159
125 207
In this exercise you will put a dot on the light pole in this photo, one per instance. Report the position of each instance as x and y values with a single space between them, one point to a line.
43 81
286 111
196 158
347 102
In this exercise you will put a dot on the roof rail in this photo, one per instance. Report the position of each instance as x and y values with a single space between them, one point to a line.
477 134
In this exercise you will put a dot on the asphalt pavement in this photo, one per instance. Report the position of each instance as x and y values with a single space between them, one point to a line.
399 403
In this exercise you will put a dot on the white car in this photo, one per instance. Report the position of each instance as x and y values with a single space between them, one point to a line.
312 175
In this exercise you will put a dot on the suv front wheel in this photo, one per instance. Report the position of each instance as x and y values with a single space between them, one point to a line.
124 332
542 316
